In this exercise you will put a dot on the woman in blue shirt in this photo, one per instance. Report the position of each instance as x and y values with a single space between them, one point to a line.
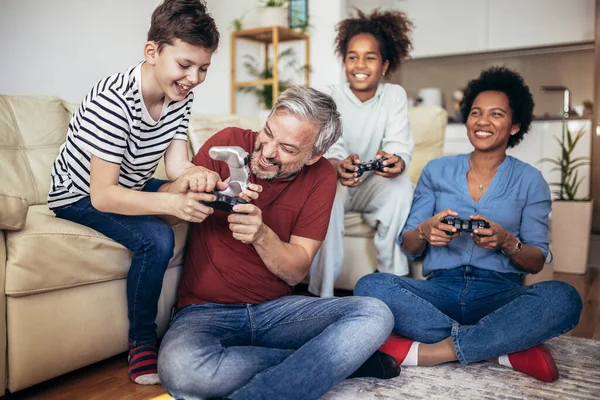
472 307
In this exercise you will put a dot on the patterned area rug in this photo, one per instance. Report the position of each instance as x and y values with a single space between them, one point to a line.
578 363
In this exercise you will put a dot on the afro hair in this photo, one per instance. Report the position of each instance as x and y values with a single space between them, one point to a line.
391 29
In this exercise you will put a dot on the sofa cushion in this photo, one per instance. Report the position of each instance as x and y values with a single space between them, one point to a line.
32 129
355 226
13 211
51 253
428 126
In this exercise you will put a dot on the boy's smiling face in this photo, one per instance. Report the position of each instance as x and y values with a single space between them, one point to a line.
179 67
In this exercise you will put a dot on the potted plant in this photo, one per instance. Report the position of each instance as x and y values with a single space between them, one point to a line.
265 93
571 216
237 24
273 13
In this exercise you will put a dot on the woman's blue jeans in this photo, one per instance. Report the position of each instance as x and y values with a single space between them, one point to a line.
151 241
487 314
294 347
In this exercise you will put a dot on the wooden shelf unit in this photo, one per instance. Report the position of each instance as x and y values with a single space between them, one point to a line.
269 35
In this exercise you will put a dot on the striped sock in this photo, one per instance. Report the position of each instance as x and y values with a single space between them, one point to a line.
142 365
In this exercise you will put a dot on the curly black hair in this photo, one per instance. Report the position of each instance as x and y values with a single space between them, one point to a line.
510 83
391 29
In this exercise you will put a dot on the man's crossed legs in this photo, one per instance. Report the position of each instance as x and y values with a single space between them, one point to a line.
295 347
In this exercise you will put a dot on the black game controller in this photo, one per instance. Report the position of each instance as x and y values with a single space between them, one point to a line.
224 202
373 165
464 225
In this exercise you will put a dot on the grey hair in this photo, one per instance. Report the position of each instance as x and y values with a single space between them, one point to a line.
318 107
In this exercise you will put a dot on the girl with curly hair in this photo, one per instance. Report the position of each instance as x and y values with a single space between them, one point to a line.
473 306
375 126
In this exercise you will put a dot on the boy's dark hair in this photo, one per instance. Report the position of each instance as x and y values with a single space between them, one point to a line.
186 20
509 82
391 29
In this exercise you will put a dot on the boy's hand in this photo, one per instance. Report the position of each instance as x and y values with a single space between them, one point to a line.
391 171
199 179
246 223
189 207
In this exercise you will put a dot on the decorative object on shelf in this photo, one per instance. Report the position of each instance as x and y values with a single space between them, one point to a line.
571 217
273 13
457 96
588 109
264 93
237 24
270 37
298 15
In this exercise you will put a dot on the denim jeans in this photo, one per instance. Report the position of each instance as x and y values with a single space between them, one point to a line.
294 347
487 314
151 241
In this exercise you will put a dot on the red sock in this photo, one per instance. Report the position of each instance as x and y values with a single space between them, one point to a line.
143 365
537 362
397 347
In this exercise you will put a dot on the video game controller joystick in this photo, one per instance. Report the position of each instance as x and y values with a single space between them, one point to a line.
237 159
373 165
464 225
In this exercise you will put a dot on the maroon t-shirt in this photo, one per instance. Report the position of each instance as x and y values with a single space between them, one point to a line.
221 269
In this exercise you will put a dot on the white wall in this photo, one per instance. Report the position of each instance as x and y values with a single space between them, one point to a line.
63 47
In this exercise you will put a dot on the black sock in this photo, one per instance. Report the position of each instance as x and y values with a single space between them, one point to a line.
379 365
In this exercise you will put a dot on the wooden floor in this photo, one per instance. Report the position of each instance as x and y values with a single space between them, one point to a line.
108 379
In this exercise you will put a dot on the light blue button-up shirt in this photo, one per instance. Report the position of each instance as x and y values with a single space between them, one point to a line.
518 199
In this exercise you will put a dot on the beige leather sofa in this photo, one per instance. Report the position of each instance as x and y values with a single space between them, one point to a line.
64 303
428 125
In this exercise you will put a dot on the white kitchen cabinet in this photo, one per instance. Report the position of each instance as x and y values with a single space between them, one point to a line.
539 143
516 24
445 27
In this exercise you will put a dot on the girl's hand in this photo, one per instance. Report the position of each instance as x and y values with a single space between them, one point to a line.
347 171
393 166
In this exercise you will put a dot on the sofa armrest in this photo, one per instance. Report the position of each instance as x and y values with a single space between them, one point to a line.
13 212
3 357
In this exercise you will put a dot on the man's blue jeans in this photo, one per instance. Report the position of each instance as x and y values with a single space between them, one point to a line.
295 347
151 241
487 314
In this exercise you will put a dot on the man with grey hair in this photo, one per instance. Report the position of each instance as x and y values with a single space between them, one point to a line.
238 333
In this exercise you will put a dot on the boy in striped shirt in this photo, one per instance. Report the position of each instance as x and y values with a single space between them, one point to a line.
102 177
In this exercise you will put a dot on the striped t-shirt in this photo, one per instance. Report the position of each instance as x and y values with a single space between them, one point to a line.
112 123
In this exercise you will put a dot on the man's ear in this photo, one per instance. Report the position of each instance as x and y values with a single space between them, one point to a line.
515 129
150 52
313 159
